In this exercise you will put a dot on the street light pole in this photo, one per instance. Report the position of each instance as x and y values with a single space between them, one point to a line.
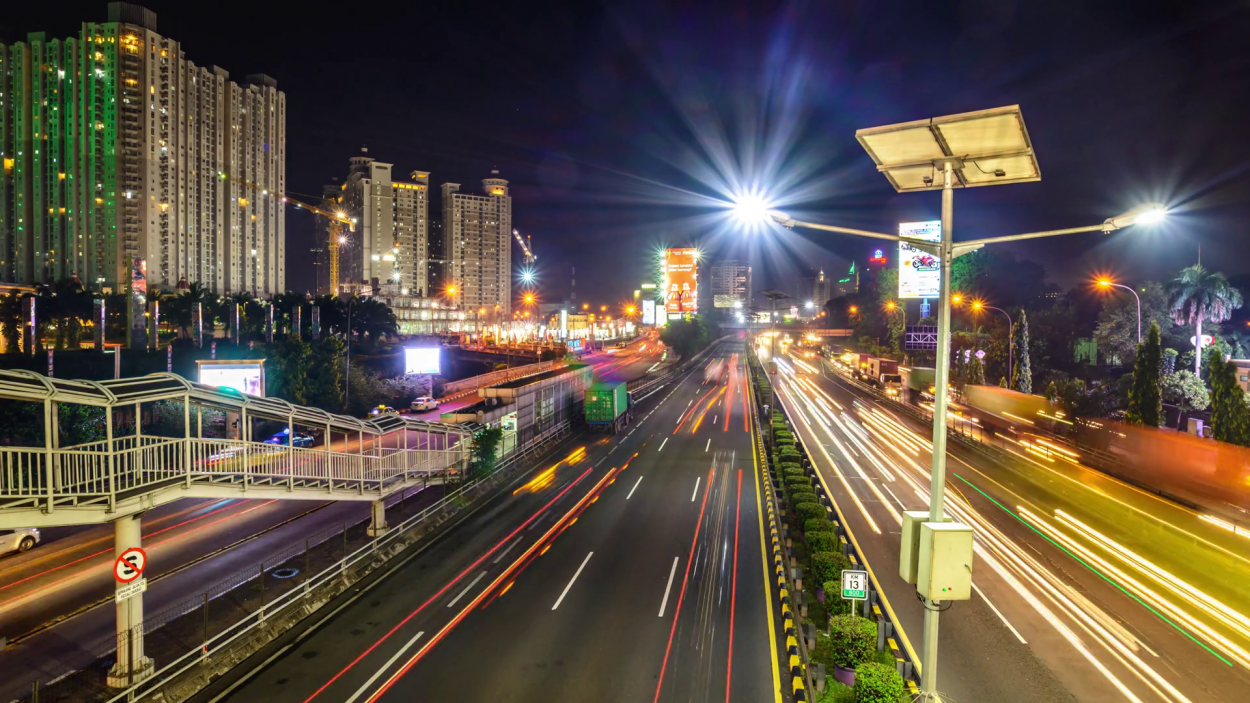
1105 284
1011 342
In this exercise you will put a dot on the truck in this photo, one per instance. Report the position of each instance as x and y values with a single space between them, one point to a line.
608 407
858 363
916 382
881 372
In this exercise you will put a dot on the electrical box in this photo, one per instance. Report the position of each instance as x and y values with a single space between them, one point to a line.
909 550
945 569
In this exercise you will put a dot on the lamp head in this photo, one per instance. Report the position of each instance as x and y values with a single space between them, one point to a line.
1148 214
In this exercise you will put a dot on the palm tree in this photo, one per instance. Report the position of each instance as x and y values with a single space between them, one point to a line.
333 313
1197 295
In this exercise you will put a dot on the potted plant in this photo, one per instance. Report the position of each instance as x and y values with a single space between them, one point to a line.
853 640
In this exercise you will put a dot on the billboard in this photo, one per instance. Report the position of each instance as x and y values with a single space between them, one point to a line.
725 301
422 360
245 376
681 290
648 312
919 272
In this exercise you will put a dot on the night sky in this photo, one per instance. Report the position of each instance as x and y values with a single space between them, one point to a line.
621 125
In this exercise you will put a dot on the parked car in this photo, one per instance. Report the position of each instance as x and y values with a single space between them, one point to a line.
383 410
423 404
20 540
298 440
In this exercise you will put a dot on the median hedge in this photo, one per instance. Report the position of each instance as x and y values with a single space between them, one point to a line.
819 542
785 466
818 524
783 434
801 496
798 482
877 683
788 451
806 511
853 640
828 565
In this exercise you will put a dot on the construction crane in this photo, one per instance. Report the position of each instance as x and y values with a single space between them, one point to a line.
525 246
337 220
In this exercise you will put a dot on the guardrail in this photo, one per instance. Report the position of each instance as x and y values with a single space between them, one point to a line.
875 606
645 390
349 569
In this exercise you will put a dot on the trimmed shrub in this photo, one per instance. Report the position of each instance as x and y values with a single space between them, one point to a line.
820 543
853 639
785 442
819 524
798 482
834 605
793 470
800 496
828 565
806 511
789 465
785 451
783 434
877 683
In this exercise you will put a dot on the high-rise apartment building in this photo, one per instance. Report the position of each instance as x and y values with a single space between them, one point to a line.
813 290
731 283
477 245
390 249
116 146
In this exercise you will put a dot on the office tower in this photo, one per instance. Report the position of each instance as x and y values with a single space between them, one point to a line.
731 283
116 146
477 236
814 290
390 249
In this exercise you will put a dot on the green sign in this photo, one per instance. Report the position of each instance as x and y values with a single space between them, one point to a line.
854 585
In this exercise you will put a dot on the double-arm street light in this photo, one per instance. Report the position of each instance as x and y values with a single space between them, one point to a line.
995 147
1107 283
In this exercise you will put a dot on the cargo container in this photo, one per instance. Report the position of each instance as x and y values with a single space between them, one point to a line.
607 406
878 369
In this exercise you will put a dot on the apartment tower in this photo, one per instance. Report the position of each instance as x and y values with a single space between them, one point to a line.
477 246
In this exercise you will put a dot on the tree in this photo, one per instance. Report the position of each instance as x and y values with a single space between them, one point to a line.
1116 332
288 373
11 318
485 452
325 375
1186 391
687 337
1145 403
1230 416
371 319
1197 295
1021 375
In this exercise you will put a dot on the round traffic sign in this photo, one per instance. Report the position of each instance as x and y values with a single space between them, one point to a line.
129 566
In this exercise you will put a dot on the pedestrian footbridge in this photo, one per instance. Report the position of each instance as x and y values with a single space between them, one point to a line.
160 437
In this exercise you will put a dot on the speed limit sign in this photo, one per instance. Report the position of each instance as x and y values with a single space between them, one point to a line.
130 564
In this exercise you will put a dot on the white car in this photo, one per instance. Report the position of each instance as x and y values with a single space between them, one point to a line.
19 540
423 404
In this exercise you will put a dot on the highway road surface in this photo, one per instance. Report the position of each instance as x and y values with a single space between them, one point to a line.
1085 588
631 569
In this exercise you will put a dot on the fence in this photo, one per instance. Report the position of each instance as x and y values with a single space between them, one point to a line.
455 389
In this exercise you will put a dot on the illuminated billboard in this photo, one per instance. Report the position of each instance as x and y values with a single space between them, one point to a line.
245 376
422 360
648 312
681 290
919 272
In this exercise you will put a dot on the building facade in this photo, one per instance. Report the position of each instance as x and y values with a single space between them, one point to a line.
390 250
731 284
116 146
813 290
477 246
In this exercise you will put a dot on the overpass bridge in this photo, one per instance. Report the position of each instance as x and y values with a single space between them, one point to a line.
119 477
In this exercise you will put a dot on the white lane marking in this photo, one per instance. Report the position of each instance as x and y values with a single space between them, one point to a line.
385 666
690 403
510 546
696 488
672 572
714 419
1002 617
466 589
631 491
709 444
565 592
662 445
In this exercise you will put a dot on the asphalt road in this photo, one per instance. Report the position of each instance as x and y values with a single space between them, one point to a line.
1085 587
623 572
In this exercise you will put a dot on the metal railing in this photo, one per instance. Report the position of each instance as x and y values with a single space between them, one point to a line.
358 563
90 474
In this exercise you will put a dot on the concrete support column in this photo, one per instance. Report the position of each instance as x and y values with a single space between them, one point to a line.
377 521
132 666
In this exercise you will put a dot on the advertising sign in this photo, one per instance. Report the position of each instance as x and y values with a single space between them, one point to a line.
243 376
648 312
681 292
422 360
724 301
919 272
